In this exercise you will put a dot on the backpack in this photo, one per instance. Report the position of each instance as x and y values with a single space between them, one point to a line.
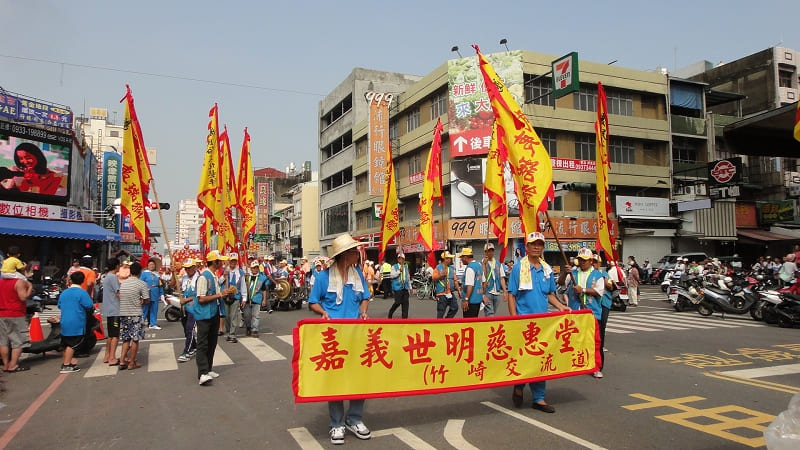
641 272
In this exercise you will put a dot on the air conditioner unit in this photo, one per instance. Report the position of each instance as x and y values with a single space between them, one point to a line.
701 189
688 190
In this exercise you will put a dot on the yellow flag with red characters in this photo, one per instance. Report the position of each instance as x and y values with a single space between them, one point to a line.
390 214
431 190
136 174
797 123
246 189
209 197
605 241
228 198
495 187
527 157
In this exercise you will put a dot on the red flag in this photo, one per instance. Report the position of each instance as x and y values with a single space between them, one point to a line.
136 174
246 190
605 240
431 190
228 198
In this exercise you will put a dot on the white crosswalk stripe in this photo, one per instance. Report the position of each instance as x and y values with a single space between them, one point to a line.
622 323
162 356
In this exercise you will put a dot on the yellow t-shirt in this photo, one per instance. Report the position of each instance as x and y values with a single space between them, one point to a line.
12 264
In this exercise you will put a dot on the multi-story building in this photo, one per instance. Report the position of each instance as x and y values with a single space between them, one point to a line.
304 234
639 151
338 113
188 221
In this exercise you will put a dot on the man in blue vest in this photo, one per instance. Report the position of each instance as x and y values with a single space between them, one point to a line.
585 286
471 283
444 284
494 283
531 286
234 302
207 308
257 296
401 285
188 285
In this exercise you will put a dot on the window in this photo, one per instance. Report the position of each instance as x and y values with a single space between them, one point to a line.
683 151
785 78
361 184
620 103
548 139
113 133
622 150
558 204
337 179
588 201
585 99
584 146
538 88
100 133
337 111
415 163
438 105
393 132
361 148
336 220
412 119
337 145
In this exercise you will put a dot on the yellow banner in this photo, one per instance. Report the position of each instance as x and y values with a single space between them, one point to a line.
343 359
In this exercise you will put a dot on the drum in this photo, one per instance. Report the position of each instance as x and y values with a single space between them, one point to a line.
282 289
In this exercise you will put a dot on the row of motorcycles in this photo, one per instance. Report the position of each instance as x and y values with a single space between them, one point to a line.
739 293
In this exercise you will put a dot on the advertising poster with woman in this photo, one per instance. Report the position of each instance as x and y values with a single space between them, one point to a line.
34 163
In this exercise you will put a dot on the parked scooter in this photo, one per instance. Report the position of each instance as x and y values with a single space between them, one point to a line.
727 296
53 340
787 312
172 309
620 299
686 295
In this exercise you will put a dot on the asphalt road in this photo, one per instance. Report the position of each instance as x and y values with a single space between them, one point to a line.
672 380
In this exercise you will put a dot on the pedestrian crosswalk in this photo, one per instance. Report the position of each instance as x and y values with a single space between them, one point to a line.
162 356
626 323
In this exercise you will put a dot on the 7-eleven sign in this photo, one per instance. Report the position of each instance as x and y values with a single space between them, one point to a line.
565 75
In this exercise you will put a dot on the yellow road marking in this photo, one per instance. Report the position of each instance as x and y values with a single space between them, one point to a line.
722 425
757 383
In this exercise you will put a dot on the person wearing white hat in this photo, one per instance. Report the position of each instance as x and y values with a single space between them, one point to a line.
401 286
188 284
531 286
207 308
494 284
256 298
444 284
471 283
341 292
234 303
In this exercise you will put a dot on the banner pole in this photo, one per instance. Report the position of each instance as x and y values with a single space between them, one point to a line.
561 249
163 228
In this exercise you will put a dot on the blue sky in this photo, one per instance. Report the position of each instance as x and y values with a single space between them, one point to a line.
295 52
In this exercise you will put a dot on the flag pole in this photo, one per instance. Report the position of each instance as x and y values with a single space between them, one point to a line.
163 227
561 249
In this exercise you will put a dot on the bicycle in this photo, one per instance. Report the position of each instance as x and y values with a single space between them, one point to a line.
423 287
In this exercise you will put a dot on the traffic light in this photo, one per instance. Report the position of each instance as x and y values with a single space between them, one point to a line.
164 206
578 186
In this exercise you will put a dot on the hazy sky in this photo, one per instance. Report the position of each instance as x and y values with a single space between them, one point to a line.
292 53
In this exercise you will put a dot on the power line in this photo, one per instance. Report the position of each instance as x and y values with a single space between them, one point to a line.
162 75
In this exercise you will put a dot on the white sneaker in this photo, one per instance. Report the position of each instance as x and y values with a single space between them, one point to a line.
598 374
360 430
155 327
213 374
205 379
337 435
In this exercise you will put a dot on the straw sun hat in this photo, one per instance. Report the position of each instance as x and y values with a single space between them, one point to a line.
343 243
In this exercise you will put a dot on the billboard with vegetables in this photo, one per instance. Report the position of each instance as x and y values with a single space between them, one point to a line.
468 109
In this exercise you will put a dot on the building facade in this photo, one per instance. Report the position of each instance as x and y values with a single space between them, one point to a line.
188 221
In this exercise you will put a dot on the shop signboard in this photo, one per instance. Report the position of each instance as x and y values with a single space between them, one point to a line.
34 163
771 212
574 229
18 108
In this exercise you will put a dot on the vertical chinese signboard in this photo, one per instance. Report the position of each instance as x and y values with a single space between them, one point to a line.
262 208
111 186
378 140
468 109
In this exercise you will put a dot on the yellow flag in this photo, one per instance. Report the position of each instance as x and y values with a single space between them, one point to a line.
208 193
228 202
495 187
136 175
390 215
246 190
431 190
530 164
797 123
605 241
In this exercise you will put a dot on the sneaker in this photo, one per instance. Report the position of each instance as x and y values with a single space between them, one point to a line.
183 357
154 327
205 379
544 408
227 338
213 374
360 430
598 374
234 340
337 435
192 352
69 368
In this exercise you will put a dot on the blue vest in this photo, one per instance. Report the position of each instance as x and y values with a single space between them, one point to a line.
441 285
477 289
190 291
238 294
397 285
255 287
205 311
493 278
592 302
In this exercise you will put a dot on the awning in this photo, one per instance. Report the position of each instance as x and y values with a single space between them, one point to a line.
764 236
667 219
765 134
56 229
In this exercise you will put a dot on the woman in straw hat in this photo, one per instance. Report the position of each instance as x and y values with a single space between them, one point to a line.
341 292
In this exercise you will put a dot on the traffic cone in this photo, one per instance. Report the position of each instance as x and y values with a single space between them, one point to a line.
35 329
99 333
